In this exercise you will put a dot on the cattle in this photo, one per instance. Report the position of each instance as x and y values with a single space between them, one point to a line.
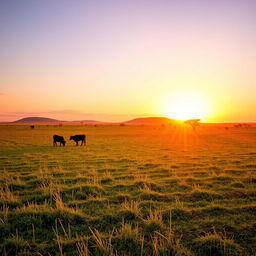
78 138
32 126
60 139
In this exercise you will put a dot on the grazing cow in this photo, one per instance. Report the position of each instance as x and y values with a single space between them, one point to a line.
32 126
77 138
60 139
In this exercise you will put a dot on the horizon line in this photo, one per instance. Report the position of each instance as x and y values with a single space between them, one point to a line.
110 122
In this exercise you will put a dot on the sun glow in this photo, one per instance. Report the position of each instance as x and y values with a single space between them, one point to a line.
183 105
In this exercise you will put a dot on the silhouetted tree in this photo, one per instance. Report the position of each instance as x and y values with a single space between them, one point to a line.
193 123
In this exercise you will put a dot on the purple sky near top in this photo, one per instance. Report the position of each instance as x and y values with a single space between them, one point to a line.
118 59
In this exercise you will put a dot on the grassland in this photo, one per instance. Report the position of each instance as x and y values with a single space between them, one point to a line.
130 191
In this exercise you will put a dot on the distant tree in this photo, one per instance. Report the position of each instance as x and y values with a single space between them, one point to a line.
193 123
247 126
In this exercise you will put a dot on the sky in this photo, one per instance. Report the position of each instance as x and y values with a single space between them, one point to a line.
116 60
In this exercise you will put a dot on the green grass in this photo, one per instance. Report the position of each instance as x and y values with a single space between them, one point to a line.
130 191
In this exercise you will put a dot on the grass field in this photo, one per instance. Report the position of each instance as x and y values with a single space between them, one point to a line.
130 191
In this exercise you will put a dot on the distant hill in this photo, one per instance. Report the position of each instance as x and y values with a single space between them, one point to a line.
27 120
137 121
157 121
88 122
150 121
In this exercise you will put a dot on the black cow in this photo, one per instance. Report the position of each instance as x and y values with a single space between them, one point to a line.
77 138
60 139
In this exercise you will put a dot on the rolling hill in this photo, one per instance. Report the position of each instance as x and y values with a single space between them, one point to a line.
136 121
27 120
150 121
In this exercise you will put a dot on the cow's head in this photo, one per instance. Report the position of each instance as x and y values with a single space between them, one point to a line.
71 137
64 143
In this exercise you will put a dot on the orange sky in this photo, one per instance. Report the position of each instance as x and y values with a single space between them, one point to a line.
116 61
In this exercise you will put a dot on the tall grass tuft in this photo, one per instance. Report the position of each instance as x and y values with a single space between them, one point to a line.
82 248
5 210
104 245
127 240
215 244
132 206
6 195
167 244
58 201
153 223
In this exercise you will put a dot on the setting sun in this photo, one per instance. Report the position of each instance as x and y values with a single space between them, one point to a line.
128 127
185 105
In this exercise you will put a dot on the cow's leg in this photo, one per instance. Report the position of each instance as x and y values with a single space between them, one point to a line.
76 143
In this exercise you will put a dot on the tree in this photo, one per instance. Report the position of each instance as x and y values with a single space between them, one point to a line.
193 122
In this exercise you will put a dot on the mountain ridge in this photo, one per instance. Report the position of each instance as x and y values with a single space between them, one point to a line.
135 121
